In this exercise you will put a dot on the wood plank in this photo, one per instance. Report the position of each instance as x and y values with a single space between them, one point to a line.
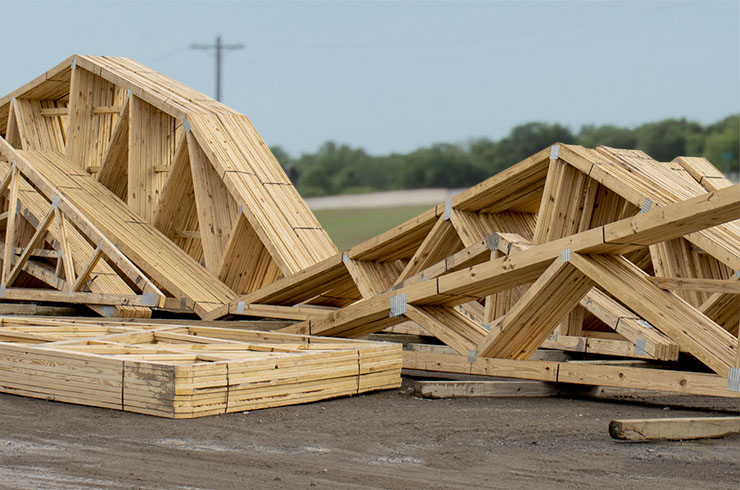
673 429
574 372
151 143
113 170
539 310
217 210
88 134
689 328
487 389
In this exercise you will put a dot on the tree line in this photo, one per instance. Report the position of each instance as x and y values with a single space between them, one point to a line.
341 169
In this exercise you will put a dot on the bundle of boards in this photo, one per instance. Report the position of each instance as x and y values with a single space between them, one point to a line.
184 371
127 192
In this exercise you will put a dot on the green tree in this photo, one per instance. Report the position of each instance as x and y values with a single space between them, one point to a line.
723 144
525 140
670 138
592 136
441 165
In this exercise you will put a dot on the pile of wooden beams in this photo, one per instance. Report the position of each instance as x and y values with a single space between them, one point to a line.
123 191
129 193
604 253
132 192
184 371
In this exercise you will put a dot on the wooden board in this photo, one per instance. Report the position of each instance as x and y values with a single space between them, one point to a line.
674 429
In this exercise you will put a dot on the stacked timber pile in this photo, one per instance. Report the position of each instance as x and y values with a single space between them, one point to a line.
184 371
135 191
128 193
601 252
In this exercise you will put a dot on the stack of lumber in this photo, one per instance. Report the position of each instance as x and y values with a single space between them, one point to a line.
104 159
128 192
184 371
604 253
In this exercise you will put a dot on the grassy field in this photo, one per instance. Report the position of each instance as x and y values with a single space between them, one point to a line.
348 227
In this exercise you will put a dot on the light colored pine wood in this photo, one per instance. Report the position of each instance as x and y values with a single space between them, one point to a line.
217 210
183 372
539 310
674 429
486 389
151 143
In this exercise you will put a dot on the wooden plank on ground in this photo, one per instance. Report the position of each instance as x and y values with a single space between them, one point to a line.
486 389
674 429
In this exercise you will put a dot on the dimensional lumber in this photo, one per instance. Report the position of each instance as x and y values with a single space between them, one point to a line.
487 389
184 371
183 184
674 429
127 192
605 373
516 263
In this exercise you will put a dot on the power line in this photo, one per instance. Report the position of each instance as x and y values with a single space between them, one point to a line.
219 47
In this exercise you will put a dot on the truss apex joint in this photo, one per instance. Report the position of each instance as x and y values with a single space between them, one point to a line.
448 209
186 125
554 152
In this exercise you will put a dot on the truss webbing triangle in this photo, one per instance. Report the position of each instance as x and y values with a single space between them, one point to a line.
139 133
103 270
160 259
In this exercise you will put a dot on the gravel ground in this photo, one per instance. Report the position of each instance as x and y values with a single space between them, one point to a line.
391 439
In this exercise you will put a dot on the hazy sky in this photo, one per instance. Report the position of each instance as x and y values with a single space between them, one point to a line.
393 76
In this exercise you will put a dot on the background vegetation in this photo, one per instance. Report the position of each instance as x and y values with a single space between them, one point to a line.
340 169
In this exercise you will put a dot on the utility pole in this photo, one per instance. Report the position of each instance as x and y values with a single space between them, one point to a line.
219 47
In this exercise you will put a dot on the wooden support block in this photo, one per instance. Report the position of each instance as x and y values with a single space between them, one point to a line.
372 278
54 111
674 429
115 109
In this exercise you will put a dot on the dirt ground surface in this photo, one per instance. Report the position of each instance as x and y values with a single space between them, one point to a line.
391 439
